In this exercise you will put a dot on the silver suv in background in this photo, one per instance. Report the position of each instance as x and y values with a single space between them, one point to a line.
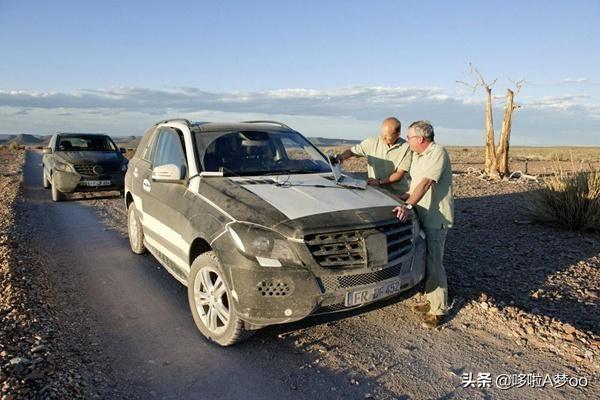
82 162
251 219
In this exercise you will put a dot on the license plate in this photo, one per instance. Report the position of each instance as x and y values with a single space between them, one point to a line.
372 293
95 183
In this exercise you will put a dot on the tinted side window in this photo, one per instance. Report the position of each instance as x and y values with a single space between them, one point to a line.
146 144
168 149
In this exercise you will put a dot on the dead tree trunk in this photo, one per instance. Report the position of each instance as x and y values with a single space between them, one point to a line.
504 144
490 148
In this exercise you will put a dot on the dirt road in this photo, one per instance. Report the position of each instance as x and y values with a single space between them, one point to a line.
131 308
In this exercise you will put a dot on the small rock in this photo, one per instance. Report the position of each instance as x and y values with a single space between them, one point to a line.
484 305
19 361
570 337
569 329
38 349
521 341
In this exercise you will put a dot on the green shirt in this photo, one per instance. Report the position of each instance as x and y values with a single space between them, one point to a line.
436 208
384 160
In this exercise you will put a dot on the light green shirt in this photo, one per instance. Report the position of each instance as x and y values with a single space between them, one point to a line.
436 208
383 160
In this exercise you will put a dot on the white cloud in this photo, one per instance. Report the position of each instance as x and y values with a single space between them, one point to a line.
575 80
351 112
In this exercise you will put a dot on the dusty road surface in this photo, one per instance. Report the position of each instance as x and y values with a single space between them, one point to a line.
130 308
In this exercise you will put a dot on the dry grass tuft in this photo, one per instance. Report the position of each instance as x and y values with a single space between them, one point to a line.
569 200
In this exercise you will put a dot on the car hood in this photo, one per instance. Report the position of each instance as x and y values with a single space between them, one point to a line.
89 157
297 204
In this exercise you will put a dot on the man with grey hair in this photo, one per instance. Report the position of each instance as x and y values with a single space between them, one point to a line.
430 195
388 157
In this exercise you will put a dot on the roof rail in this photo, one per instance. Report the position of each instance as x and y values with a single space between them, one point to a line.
268 122
185 121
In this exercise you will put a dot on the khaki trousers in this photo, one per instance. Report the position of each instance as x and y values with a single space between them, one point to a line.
436 285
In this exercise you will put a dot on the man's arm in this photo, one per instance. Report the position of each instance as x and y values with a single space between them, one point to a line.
413 198
345 155
393 178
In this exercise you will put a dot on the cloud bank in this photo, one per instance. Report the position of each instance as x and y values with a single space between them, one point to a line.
350 112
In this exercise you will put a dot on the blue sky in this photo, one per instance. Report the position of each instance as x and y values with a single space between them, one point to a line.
329 68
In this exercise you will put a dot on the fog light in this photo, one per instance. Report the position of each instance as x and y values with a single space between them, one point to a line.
288 312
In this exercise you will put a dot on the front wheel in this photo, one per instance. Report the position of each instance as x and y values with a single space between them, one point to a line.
45 182
211 302
135 231
56 194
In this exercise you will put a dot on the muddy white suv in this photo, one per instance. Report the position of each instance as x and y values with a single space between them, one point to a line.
249 217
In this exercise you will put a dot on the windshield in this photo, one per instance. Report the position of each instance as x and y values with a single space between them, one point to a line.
258 153
85 143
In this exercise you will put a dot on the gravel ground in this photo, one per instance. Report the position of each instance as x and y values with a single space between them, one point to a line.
522 293
525 300
44 350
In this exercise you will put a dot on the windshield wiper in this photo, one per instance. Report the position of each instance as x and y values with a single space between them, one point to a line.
291 171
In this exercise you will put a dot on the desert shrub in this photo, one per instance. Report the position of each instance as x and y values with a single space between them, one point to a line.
569 200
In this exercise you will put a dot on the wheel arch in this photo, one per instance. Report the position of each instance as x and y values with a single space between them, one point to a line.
198 246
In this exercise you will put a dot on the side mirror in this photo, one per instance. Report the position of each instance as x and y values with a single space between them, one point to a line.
168 173
47 150
123 150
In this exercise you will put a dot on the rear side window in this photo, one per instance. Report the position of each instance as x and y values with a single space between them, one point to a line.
146 144
168 149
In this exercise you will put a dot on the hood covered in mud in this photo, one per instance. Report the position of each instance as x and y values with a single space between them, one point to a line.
90 157
298 204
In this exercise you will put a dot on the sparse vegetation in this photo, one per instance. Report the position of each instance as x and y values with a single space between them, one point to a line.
569 200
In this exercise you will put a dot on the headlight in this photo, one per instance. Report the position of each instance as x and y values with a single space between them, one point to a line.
63 167
267 246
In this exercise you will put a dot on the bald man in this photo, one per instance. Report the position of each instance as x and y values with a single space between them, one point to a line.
388 157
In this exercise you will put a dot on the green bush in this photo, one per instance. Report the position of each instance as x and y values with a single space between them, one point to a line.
569 200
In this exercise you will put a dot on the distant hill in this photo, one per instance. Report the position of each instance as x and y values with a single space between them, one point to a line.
320 141
130 142
6 138
25 140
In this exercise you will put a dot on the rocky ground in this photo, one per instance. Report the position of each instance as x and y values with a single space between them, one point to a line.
524 300
518 287
44 353
535 284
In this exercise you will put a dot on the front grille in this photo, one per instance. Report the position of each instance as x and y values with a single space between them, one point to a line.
97 169
333 283
347 249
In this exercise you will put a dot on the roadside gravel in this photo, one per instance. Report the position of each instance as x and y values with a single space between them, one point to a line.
44 348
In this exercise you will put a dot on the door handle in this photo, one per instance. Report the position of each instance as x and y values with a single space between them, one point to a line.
146 185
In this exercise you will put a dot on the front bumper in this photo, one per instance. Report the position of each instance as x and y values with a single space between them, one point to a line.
69 182
267 296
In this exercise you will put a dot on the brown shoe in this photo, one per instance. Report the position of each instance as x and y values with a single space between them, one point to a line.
431 321
422 308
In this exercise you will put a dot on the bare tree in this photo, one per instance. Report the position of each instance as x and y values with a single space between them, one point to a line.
490 147
504 144
496 162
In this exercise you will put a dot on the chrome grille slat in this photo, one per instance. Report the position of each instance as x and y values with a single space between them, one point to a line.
88 169
347 248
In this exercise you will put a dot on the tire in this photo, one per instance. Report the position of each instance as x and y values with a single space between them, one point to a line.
45 182
216 318
135 231
56 194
